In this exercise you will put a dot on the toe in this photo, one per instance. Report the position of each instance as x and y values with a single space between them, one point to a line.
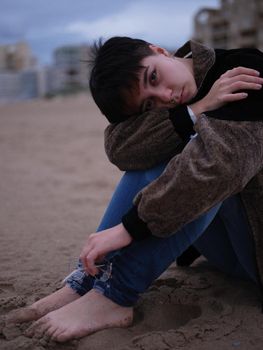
25 314
29 332
42 330
36 327
56 334
63 336
52 332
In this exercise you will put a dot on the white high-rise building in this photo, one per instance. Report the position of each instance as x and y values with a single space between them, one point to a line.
21 85
237 23
20 79
70 68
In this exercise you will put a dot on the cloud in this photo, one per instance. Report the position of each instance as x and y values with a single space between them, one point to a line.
168 22
49 24
150 21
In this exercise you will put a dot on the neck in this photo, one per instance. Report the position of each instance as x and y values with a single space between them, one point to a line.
188 62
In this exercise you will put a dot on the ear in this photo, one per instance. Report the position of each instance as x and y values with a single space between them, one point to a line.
159 50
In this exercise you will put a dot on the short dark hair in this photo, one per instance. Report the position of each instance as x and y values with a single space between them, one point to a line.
115 68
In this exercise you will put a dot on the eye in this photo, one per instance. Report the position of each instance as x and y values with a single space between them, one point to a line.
153 77
148 105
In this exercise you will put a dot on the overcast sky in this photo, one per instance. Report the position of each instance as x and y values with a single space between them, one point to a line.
47 24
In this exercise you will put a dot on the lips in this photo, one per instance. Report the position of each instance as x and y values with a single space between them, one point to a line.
181 100
178 100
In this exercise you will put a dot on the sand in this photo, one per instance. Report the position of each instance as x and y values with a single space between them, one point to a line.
55 184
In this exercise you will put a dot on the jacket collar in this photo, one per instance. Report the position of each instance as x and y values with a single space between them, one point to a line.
203 58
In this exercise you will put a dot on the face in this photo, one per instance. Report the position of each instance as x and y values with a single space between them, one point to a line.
165 81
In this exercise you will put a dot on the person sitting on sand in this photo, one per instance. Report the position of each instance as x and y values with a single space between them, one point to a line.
188 129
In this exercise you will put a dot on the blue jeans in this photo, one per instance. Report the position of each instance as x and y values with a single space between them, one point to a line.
222 235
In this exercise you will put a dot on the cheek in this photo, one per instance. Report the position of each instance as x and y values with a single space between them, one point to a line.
131 100
194 84
169 72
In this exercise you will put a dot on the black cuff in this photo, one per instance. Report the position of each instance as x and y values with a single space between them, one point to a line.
188 256
182 122
135 226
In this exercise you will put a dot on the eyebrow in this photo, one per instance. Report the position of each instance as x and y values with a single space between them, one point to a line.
145 74
145 82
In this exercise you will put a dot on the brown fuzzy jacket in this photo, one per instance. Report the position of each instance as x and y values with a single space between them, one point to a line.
225 158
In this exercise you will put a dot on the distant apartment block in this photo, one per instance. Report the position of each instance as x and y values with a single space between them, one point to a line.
19 76
21 79
20 85
70 68
16 57
237 23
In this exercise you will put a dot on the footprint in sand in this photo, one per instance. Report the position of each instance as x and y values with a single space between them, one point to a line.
150 316
165 317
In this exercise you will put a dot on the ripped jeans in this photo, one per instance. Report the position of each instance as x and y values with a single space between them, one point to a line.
222 235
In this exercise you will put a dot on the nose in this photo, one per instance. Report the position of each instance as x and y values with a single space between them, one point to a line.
164 95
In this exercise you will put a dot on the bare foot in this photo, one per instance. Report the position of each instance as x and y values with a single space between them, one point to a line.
90 313
43 306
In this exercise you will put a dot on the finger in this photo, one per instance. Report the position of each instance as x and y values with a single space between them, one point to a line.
246 78
235 97
89 245
90 263
86 251
241 70
242 85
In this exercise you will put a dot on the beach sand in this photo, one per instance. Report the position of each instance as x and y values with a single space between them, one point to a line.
55 184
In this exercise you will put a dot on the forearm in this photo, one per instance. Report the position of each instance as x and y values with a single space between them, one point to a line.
213 166
198 108
142 142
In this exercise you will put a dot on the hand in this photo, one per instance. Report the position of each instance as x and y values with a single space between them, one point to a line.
227 89
100 243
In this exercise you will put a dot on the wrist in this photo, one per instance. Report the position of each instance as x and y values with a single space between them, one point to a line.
198 108
123 234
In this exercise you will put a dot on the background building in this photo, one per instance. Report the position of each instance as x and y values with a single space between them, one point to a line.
237 23
16 57
22 79
21 85
70 69
19 75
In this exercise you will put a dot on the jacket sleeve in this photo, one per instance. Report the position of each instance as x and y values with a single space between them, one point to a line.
214 165
156 136
142 142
